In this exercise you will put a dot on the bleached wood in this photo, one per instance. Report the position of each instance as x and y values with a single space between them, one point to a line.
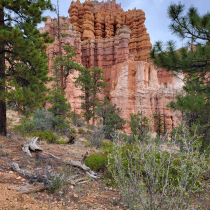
30 176
28 188
31 145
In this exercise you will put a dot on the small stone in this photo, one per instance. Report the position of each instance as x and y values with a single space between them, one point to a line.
19 177
76 196
11 172
22 180
72 187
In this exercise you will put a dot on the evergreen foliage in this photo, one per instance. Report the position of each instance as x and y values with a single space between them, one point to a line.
194 100
67 61
23 49
91 83
84 82
139 125
159 124
60 108
111 120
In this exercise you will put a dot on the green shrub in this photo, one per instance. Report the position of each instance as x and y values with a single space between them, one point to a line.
26 127
77 120
72 131
62 141
168 179
81 131
43 119
97 161
88 132
48 136
56 184
60 125
140 125
96 138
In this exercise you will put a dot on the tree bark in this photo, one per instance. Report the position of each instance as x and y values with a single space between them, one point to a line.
60 50
94 105
3 128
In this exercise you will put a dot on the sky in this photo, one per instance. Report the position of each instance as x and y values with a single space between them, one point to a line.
157 20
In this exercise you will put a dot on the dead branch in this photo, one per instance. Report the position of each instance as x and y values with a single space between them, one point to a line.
78 164
34 178
27 146
74 182
28 188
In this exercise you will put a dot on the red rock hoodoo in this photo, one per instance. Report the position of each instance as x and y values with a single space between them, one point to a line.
118 42
97 20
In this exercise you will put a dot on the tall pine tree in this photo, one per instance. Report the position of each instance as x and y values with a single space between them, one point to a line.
91 83
23 61
193 60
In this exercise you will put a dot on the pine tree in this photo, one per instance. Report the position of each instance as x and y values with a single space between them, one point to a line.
85 83
65 60
139 125
91 83
192 60
110 117
159 124
60 108
98 86
23 48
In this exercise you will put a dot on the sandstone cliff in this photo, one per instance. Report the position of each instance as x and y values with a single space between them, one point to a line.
103 19
117 41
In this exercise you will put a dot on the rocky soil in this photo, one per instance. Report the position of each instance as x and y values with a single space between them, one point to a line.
94 194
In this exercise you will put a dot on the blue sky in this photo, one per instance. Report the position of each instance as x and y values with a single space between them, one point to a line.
157 21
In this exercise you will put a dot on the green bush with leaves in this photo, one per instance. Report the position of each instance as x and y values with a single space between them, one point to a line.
140 125
150 177
96 138
26 127
77 120
81 131
62 141
56 184
47 136
97 161
42 119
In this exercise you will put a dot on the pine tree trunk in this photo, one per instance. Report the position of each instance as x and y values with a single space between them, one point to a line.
94 104
87 106
3 129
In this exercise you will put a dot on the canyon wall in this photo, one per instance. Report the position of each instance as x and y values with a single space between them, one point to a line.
117 42
95 20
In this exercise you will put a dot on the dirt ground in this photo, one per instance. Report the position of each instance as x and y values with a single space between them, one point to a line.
91 195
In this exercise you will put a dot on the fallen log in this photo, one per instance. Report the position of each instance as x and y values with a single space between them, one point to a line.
27 146
28 188
34 178
78 164
41 182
